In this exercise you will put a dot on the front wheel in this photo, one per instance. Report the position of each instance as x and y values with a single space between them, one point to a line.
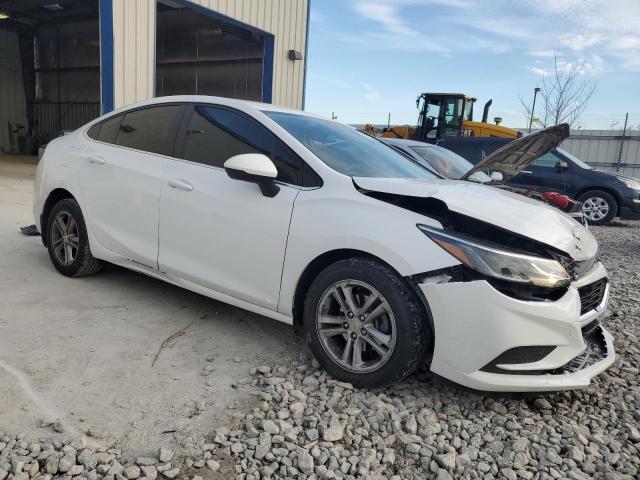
364 324
598 207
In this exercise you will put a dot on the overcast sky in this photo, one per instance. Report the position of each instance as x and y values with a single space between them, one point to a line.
371 57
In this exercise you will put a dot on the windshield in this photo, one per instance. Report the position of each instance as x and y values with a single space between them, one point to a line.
447 163
347 150
575 160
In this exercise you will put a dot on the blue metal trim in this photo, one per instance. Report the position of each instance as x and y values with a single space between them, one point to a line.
106 56
306 56
220 16
269 44
267 69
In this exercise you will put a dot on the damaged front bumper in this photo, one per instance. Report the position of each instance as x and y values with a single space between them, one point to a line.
487 340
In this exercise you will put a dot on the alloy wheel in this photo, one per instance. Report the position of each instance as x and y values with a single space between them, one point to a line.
595 208
65 239
356 326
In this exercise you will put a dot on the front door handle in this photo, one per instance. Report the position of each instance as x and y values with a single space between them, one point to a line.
96 160
526 171
180 185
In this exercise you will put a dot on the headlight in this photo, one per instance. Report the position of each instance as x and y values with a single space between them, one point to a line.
501 264
632 184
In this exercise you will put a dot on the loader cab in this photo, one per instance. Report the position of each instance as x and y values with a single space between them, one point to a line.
442 115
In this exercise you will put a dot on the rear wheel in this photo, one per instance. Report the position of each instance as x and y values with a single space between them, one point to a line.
598 207
364 324
67 240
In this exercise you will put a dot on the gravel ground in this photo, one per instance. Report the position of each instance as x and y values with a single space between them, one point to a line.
306 425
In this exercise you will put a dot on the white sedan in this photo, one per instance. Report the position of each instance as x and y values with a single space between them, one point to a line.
312 222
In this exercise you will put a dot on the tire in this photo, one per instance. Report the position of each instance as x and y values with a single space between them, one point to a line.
598 207
400 332
70 254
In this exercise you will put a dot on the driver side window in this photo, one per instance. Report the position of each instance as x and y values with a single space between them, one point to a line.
548 160
216 134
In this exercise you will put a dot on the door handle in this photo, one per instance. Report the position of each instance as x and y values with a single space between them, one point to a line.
96 160
526 171
181 185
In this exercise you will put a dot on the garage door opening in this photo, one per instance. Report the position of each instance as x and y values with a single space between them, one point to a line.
201 52
52 80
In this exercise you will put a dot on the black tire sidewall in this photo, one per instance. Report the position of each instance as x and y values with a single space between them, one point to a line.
613 205
71 206
409 313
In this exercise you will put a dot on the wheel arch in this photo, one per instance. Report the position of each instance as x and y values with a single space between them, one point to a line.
325 259
616 196
315 267
54 197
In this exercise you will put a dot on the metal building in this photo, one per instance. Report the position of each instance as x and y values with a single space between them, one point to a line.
64 62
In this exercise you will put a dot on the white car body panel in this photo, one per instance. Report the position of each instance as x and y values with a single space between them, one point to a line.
242 234
490 321
501 208
332 218
120 192
193 226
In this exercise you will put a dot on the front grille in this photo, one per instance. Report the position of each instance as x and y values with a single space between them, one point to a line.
596 350
591 295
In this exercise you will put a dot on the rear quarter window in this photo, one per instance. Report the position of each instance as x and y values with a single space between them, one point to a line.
94 131
107 130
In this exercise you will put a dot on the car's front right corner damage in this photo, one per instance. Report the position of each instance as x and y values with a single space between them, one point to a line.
496 339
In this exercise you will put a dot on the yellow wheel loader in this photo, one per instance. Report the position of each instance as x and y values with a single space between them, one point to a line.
447 115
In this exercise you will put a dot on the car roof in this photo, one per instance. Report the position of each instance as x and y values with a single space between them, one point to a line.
230 102
474 140
405 143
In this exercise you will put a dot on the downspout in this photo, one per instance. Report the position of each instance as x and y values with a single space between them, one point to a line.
306 56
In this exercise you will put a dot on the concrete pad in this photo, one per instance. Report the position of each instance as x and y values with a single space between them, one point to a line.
82 349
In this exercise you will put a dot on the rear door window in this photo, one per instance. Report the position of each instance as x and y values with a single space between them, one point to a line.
149 129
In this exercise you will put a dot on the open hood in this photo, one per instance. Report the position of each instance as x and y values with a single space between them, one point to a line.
509 211
514 156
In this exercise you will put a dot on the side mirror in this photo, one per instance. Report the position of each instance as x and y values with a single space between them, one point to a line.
255 168
562 165
496 176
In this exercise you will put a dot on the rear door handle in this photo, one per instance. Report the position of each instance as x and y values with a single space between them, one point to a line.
181 185
96 160
526 171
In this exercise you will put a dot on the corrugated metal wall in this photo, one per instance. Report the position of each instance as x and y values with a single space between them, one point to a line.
12 101
134 24
601 149
52 118
134 44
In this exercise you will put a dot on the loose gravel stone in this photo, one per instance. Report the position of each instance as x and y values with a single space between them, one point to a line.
333 430
165 455
132 473
173 473
305 462
149 472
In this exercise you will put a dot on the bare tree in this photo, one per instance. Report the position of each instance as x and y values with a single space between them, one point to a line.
564 94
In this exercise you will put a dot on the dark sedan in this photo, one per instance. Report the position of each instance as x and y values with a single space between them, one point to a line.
604 195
